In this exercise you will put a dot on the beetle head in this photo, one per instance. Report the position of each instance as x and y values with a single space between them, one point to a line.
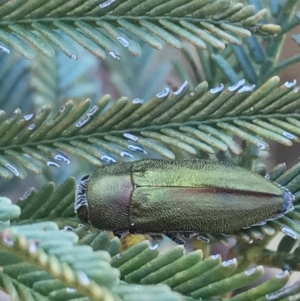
81 204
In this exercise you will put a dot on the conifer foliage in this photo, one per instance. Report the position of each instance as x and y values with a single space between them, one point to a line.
215 94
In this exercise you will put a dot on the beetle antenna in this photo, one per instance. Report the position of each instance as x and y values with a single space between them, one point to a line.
81 204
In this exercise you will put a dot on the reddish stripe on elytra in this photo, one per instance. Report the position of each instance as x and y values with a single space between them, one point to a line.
219 190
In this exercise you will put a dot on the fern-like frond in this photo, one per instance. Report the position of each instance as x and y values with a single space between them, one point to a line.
48 202
52 266
8 212
45 80
192 275
138 72
49 264
43 246
103 27
251 60
200 122
14 81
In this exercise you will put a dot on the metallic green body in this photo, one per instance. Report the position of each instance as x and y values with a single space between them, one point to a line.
160 196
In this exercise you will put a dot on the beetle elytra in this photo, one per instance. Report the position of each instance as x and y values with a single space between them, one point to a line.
179 198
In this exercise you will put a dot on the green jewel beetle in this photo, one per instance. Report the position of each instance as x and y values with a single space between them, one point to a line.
178 198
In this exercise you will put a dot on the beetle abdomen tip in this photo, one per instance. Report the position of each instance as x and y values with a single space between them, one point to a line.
286 207
288 201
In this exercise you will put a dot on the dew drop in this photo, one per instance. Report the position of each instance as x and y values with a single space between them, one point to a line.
181 88
32 248
217 89
93 110
250 271
63 108
123 41
230 262
289 232
108 159
282 292
215 257
137 149
74 57
4 49
119 256
125 154
288 135
236 86
31 127
296 90
27 193
273 296
106 3
246 89
70 290
164 93
54 164
261 145
154 247
83 278
114 55
28 117
282 274
12 169
131 137
82 122
68 228
290 84
60 157
138 101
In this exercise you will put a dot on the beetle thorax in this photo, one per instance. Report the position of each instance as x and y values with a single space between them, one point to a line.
108 194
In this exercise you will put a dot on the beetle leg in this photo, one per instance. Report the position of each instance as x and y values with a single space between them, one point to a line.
176 238
120 234
191 235
221 238
156 237
203 238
